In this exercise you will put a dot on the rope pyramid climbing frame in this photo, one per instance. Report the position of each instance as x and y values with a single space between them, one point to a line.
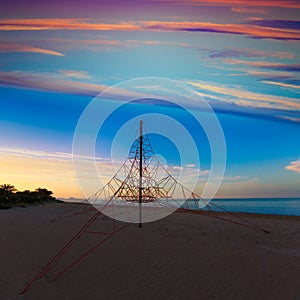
139 191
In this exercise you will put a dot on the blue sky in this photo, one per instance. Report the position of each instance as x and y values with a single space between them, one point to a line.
241 56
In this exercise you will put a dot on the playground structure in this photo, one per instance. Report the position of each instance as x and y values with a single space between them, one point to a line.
142 190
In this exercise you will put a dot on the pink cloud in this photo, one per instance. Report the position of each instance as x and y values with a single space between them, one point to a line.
248 10
61 83
254 31
294 166
63 24
49 82
243 29
16 47
265 65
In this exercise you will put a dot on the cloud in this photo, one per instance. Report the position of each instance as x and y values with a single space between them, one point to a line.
245 52
239 29
250 30
265 65
49 82
97 44
106 44
244 98
294 166
282 84
248 10
29 169
16 47
280 74
239 186
269 74
287 24
232 100
75 74
249 3
63 24
57 82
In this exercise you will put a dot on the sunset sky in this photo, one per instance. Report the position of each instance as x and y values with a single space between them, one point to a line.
242 56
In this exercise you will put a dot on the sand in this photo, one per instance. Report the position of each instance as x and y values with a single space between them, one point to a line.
184 256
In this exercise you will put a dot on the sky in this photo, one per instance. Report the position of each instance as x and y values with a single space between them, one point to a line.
242 57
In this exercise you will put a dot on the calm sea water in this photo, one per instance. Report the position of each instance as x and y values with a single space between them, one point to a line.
277 206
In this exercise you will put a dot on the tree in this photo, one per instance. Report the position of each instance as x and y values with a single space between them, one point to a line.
43 194
9 196
6 195
8 188
25 197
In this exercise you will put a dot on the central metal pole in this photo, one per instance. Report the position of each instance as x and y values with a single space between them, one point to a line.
141 174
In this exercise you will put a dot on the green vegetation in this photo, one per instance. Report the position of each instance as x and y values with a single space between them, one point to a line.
11 197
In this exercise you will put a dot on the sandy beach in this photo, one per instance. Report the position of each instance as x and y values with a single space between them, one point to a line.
184 256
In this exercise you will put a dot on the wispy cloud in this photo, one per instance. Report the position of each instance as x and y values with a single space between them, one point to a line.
248 10
287 24
63 24
49 82
239 29
265 65
282 84
104 44
29 169
17 47
249 3
226 99
245 52
244 98
294 166
75 74
61 83
250 30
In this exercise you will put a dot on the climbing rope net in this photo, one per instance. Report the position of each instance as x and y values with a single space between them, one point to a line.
138 192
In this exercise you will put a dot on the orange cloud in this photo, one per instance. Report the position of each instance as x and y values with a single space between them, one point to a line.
63 24
15 47
84 24
248 10
244 29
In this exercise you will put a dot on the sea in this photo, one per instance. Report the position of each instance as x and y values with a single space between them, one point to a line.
271 206
276 206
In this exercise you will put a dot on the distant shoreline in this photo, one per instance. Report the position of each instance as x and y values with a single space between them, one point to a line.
280 207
